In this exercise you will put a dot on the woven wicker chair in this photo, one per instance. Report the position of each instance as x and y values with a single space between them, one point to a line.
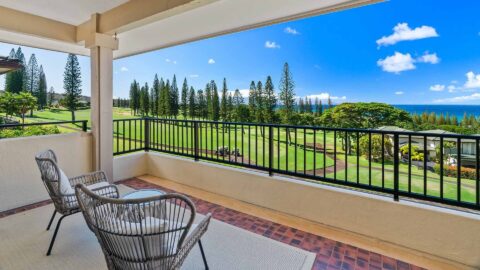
66 202
148 233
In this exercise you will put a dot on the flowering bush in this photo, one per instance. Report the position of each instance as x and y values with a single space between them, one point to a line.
451 171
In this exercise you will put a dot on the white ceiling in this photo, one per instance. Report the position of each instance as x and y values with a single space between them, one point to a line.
68 11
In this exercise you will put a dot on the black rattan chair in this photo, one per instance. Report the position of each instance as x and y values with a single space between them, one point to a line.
148 233
62 193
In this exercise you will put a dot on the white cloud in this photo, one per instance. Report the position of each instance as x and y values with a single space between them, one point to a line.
271 45
171 61
397 63
324 96
454 82
291 31
473 80
459 99
194 76
437 87
211 61
403 32
452 88
399 93
243 92
123 69
429 58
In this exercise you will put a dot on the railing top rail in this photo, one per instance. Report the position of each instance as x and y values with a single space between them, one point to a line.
42 123
372 130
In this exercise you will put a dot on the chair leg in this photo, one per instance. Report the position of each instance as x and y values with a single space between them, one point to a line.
51 219
203 254
55 235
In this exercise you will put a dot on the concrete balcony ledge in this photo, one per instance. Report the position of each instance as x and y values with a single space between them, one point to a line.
426 230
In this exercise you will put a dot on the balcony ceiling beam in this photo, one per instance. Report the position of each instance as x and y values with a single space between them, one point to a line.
16 21
136 13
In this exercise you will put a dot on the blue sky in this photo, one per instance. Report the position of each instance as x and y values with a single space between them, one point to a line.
399 52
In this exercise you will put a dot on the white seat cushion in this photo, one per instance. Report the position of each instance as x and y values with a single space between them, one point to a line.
98 185
65 187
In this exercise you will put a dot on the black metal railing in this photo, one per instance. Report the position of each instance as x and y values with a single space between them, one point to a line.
129 135
426 166
79 125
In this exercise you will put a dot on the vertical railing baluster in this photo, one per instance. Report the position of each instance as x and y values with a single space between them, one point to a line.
369 158
195 139
425 159
358 157
477 166
324 153
147 134
383 160
459 169
304 151
334 155
295 149
315 152
346 155
396 165
409 163
441 167
270 150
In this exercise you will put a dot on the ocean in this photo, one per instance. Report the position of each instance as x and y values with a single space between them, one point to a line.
457 110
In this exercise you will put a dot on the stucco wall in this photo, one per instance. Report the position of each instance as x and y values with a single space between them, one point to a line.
20 182
432 230
130 165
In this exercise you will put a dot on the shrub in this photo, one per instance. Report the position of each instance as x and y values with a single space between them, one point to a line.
451 171
376 144
29 131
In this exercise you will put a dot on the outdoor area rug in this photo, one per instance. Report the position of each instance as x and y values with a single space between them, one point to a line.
25 241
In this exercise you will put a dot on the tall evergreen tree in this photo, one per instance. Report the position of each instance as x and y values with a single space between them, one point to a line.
15 80
230 107
287 94
156 95
252 99
161 98
202 111
165 99
51 96
9 75
259 103
32 78
192 104
144 100
269 101
308 105
174 108
208 97
42 90
134 97
237 98
301 105
215 101
72 83
184 103
223 102
329 102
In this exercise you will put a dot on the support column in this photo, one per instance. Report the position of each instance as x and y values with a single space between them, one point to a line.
101 62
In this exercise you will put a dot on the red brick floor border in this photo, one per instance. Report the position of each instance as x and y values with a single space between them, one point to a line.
330 254
24 208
